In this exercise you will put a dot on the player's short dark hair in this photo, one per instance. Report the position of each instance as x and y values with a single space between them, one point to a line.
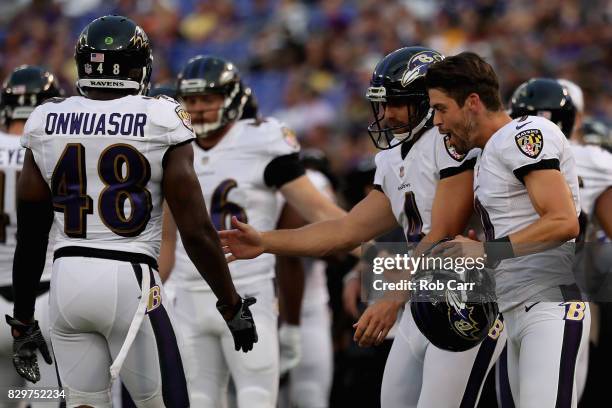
463 74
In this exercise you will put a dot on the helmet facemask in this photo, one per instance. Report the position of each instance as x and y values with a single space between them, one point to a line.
385 136
234 100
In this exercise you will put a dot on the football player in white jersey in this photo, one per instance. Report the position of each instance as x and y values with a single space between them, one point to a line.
526 193
24 89
549 98
241 164
100 166
424 186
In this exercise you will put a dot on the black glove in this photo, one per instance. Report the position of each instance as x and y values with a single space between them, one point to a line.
241 323
26 339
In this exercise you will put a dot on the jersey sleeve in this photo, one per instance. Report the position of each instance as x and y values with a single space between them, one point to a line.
281 140
321 182
379 174
168 114
32 136
537 146
282 151
448 161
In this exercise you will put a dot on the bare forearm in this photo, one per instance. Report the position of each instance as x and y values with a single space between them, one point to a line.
315 240
547 232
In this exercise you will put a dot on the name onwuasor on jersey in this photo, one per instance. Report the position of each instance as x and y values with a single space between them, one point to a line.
87 123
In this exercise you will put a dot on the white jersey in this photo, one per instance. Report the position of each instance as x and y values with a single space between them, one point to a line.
410 179
11 162
232 178
504 206
103 161
594 167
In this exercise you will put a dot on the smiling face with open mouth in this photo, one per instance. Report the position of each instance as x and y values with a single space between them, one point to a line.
453 120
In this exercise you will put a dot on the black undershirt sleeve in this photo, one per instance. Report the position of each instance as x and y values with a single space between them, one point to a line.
544 164
34 221
453 171
283 169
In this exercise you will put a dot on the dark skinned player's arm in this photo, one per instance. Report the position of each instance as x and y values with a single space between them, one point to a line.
34 220
184 197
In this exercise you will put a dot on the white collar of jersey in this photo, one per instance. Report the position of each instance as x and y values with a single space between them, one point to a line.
408 136
108 83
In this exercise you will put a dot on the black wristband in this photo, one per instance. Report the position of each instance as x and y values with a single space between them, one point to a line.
497 250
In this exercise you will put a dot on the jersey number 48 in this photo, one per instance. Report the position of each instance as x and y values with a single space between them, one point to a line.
124 171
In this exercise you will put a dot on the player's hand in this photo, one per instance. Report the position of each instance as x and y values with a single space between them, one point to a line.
242 242
351 293
459 247
27 338
375 323
241 324
290 342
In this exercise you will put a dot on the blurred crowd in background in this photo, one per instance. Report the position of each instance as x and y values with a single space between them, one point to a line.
309 61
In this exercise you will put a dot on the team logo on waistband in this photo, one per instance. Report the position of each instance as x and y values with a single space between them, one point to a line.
574 310
530 142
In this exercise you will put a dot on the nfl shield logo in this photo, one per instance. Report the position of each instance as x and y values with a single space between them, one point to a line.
88 69
530 142
401 172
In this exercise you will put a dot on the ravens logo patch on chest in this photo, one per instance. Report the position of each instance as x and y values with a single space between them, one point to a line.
530 142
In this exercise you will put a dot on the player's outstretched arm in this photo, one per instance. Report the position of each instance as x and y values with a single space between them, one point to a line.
368 219
309 201
450 213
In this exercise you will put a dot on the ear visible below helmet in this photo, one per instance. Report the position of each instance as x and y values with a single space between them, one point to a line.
205 75
545 97
113 53
25 88
399 78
